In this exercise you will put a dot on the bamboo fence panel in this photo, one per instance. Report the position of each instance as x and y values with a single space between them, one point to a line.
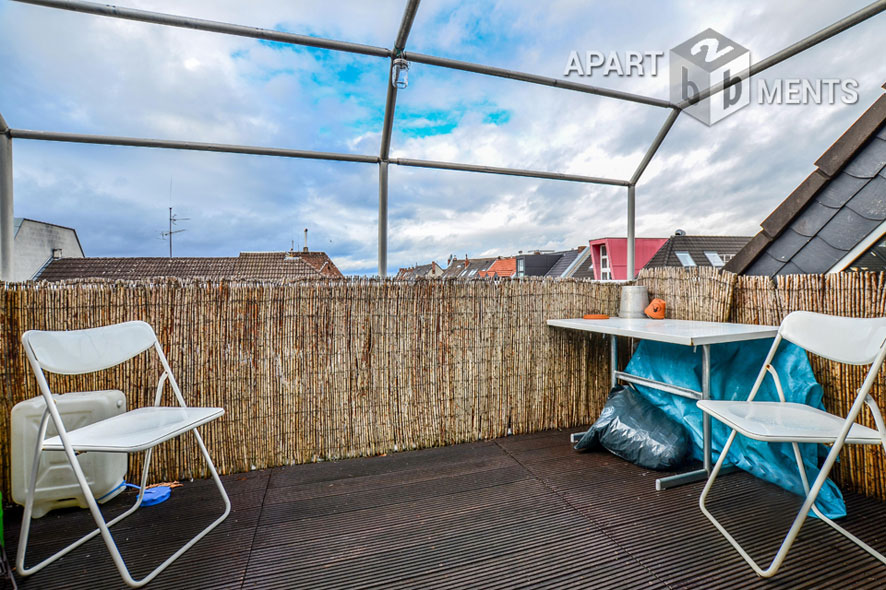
698 293
311 371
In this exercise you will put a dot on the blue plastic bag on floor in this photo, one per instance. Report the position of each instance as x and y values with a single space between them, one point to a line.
734 368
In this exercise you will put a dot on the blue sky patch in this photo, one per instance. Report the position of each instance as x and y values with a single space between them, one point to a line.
497 117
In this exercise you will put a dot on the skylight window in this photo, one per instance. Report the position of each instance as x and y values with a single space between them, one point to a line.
685 259
714 259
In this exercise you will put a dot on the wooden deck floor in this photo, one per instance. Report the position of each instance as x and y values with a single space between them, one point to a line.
519 512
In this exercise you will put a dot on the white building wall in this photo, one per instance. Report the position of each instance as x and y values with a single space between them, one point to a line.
34 243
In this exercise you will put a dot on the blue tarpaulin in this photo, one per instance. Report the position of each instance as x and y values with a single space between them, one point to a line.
734 368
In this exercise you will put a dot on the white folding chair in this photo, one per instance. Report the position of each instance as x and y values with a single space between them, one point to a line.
853 341
141 429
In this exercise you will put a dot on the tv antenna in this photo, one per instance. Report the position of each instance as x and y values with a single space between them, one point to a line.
173 219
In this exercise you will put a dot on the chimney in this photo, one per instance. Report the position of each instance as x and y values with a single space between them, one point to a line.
306 239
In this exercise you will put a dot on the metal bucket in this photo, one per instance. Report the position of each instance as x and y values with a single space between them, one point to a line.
634 299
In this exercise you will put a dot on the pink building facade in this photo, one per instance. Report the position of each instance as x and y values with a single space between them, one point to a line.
610 256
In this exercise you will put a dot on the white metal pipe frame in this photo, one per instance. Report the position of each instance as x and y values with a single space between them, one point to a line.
383 160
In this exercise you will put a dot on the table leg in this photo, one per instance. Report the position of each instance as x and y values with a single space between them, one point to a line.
613 358
673 481
706 394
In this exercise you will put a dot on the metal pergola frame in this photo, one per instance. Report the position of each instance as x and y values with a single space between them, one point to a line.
383 159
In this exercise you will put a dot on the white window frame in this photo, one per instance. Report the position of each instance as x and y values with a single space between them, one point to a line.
605 270
685 259
714 258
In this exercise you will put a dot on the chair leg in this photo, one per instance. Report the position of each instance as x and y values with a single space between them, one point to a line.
799 520
827 520
29 505
789 539
103 527
702 499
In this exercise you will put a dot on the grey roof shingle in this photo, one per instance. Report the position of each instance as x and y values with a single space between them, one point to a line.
787 245
839 190
765 265
816 257
846 230
870 201
563 263
869 161
585 270
813 218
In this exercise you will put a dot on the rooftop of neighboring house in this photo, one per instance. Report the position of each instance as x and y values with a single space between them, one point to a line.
501 267
567 258
835 219
537 263
466 268
686 251
421 270
585 268
249 265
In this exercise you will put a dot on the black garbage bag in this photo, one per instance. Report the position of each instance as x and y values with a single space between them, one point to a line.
635 430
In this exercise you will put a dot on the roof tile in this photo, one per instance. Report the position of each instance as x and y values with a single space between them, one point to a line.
812 219
764 265
790 269
775 223
839 190
249 265
817 257
870 201
787 245
847 229
865 127
869 161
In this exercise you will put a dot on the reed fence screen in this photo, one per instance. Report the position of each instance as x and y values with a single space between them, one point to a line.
310 371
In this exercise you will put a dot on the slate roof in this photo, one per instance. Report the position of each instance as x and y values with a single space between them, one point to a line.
467 268
421 270
249 265
831 212
585 270
696 246
563 263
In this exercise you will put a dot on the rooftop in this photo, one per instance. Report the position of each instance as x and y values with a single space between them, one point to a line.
249 265
518 512
819 226
722 249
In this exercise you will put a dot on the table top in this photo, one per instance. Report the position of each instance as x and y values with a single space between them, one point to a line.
685 332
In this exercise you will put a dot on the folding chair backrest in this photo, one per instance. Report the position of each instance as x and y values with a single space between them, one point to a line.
85 351
854 341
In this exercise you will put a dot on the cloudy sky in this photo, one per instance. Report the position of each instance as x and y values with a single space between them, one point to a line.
64 71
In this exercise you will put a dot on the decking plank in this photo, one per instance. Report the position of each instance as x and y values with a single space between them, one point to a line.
521 512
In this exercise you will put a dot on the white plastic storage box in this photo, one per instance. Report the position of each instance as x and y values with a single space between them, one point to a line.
57 486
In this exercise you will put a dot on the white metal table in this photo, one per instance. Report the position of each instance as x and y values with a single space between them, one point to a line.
683 332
